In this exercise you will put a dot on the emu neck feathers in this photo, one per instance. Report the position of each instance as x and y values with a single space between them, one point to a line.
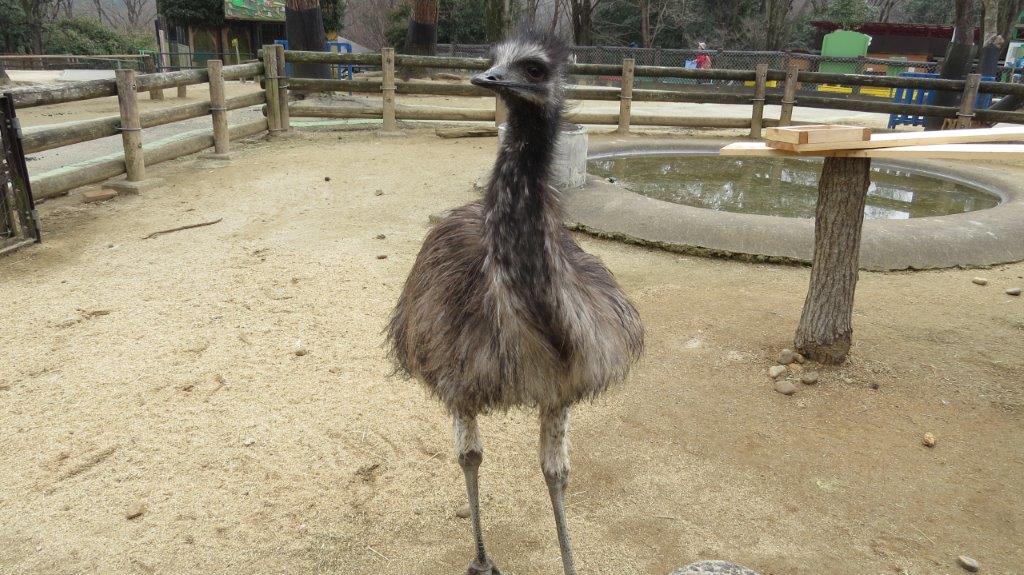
521 207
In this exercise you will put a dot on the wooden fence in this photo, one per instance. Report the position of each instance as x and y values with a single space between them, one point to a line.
279 110
130 122
758 95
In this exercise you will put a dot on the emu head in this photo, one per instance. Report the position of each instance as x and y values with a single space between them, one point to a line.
526 70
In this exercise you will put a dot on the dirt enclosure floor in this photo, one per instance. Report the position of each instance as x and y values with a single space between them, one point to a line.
226 387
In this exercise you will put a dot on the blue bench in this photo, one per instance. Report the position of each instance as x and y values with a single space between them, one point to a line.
919 96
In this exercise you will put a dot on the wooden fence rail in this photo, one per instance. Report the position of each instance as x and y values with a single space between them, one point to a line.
788 97
129 123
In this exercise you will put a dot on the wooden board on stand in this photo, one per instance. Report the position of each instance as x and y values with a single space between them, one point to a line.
794 137
902 139
936 151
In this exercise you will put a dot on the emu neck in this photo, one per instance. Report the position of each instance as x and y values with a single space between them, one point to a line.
523 215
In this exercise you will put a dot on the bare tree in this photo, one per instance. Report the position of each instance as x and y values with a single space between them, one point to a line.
367 21
886 9
992 42
36 13
61 9
304 27
776 23
581 15
130 15
421 37
958 58
1009 11
656 15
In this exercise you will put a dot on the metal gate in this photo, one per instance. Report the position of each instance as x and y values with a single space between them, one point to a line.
19 224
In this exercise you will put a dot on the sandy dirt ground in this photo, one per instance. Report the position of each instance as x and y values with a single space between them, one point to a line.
228 385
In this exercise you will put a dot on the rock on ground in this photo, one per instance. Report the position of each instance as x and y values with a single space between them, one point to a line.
713 567
968 563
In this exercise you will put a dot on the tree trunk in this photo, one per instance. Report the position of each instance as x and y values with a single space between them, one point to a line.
422 36
495 24
988 62
645 23
582 24
1009 11
958 59
304 28
826 326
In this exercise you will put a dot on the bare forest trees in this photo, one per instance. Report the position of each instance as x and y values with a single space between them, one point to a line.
776 23
581 17
36 14
655 15
367 21
123 15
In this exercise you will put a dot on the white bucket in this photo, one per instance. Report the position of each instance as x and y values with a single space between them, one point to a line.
569 168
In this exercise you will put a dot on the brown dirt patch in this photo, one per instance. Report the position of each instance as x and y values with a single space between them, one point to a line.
163 372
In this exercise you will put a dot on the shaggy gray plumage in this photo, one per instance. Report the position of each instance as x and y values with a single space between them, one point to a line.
501 308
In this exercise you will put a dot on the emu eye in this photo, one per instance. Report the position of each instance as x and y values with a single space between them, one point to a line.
534 72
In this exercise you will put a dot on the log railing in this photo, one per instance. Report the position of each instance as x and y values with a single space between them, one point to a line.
131 120
789 96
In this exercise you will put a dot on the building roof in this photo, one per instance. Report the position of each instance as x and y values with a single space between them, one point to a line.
894 29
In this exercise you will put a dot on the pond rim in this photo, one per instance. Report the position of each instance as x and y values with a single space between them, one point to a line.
971 239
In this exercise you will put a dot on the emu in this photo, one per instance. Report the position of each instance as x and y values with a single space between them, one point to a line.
502 309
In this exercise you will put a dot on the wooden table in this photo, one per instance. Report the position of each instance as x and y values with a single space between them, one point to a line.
825 332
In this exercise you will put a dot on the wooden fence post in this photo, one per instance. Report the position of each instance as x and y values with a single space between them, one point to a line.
150 63
131 137
183 90
965 116
219 112
335 67
789 94
390 127
757 115
270 88
626 94
282 89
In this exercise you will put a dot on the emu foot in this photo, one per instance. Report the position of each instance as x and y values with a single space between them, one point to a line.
487 568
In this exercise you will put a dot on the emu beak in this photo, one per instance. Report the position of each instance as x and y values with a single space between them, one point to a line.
492 78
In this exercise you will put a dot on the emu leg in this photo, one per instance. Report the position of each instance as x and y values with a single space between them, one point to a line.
470 451
825 332
554 462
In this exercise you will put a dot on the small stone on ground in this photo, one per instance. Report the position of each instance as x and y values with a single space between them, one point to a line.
713 567
787 357
462 512
785 387
980 281
1013 291
776 370
928 440
98 196
135 510
968 563
809 378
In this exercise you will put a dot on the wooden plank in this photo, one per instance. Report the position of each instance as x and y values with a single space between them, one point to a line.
935 151
902 139
818 134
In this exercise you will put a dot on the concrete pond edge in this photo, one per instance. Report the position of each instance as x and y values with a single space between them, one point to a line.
976 239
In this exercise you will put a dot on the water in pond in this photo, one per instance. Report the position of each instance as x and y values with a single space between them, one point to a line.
782 186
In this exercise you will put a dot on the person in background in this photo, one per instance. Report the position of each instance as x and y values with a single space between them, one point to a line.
703 60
